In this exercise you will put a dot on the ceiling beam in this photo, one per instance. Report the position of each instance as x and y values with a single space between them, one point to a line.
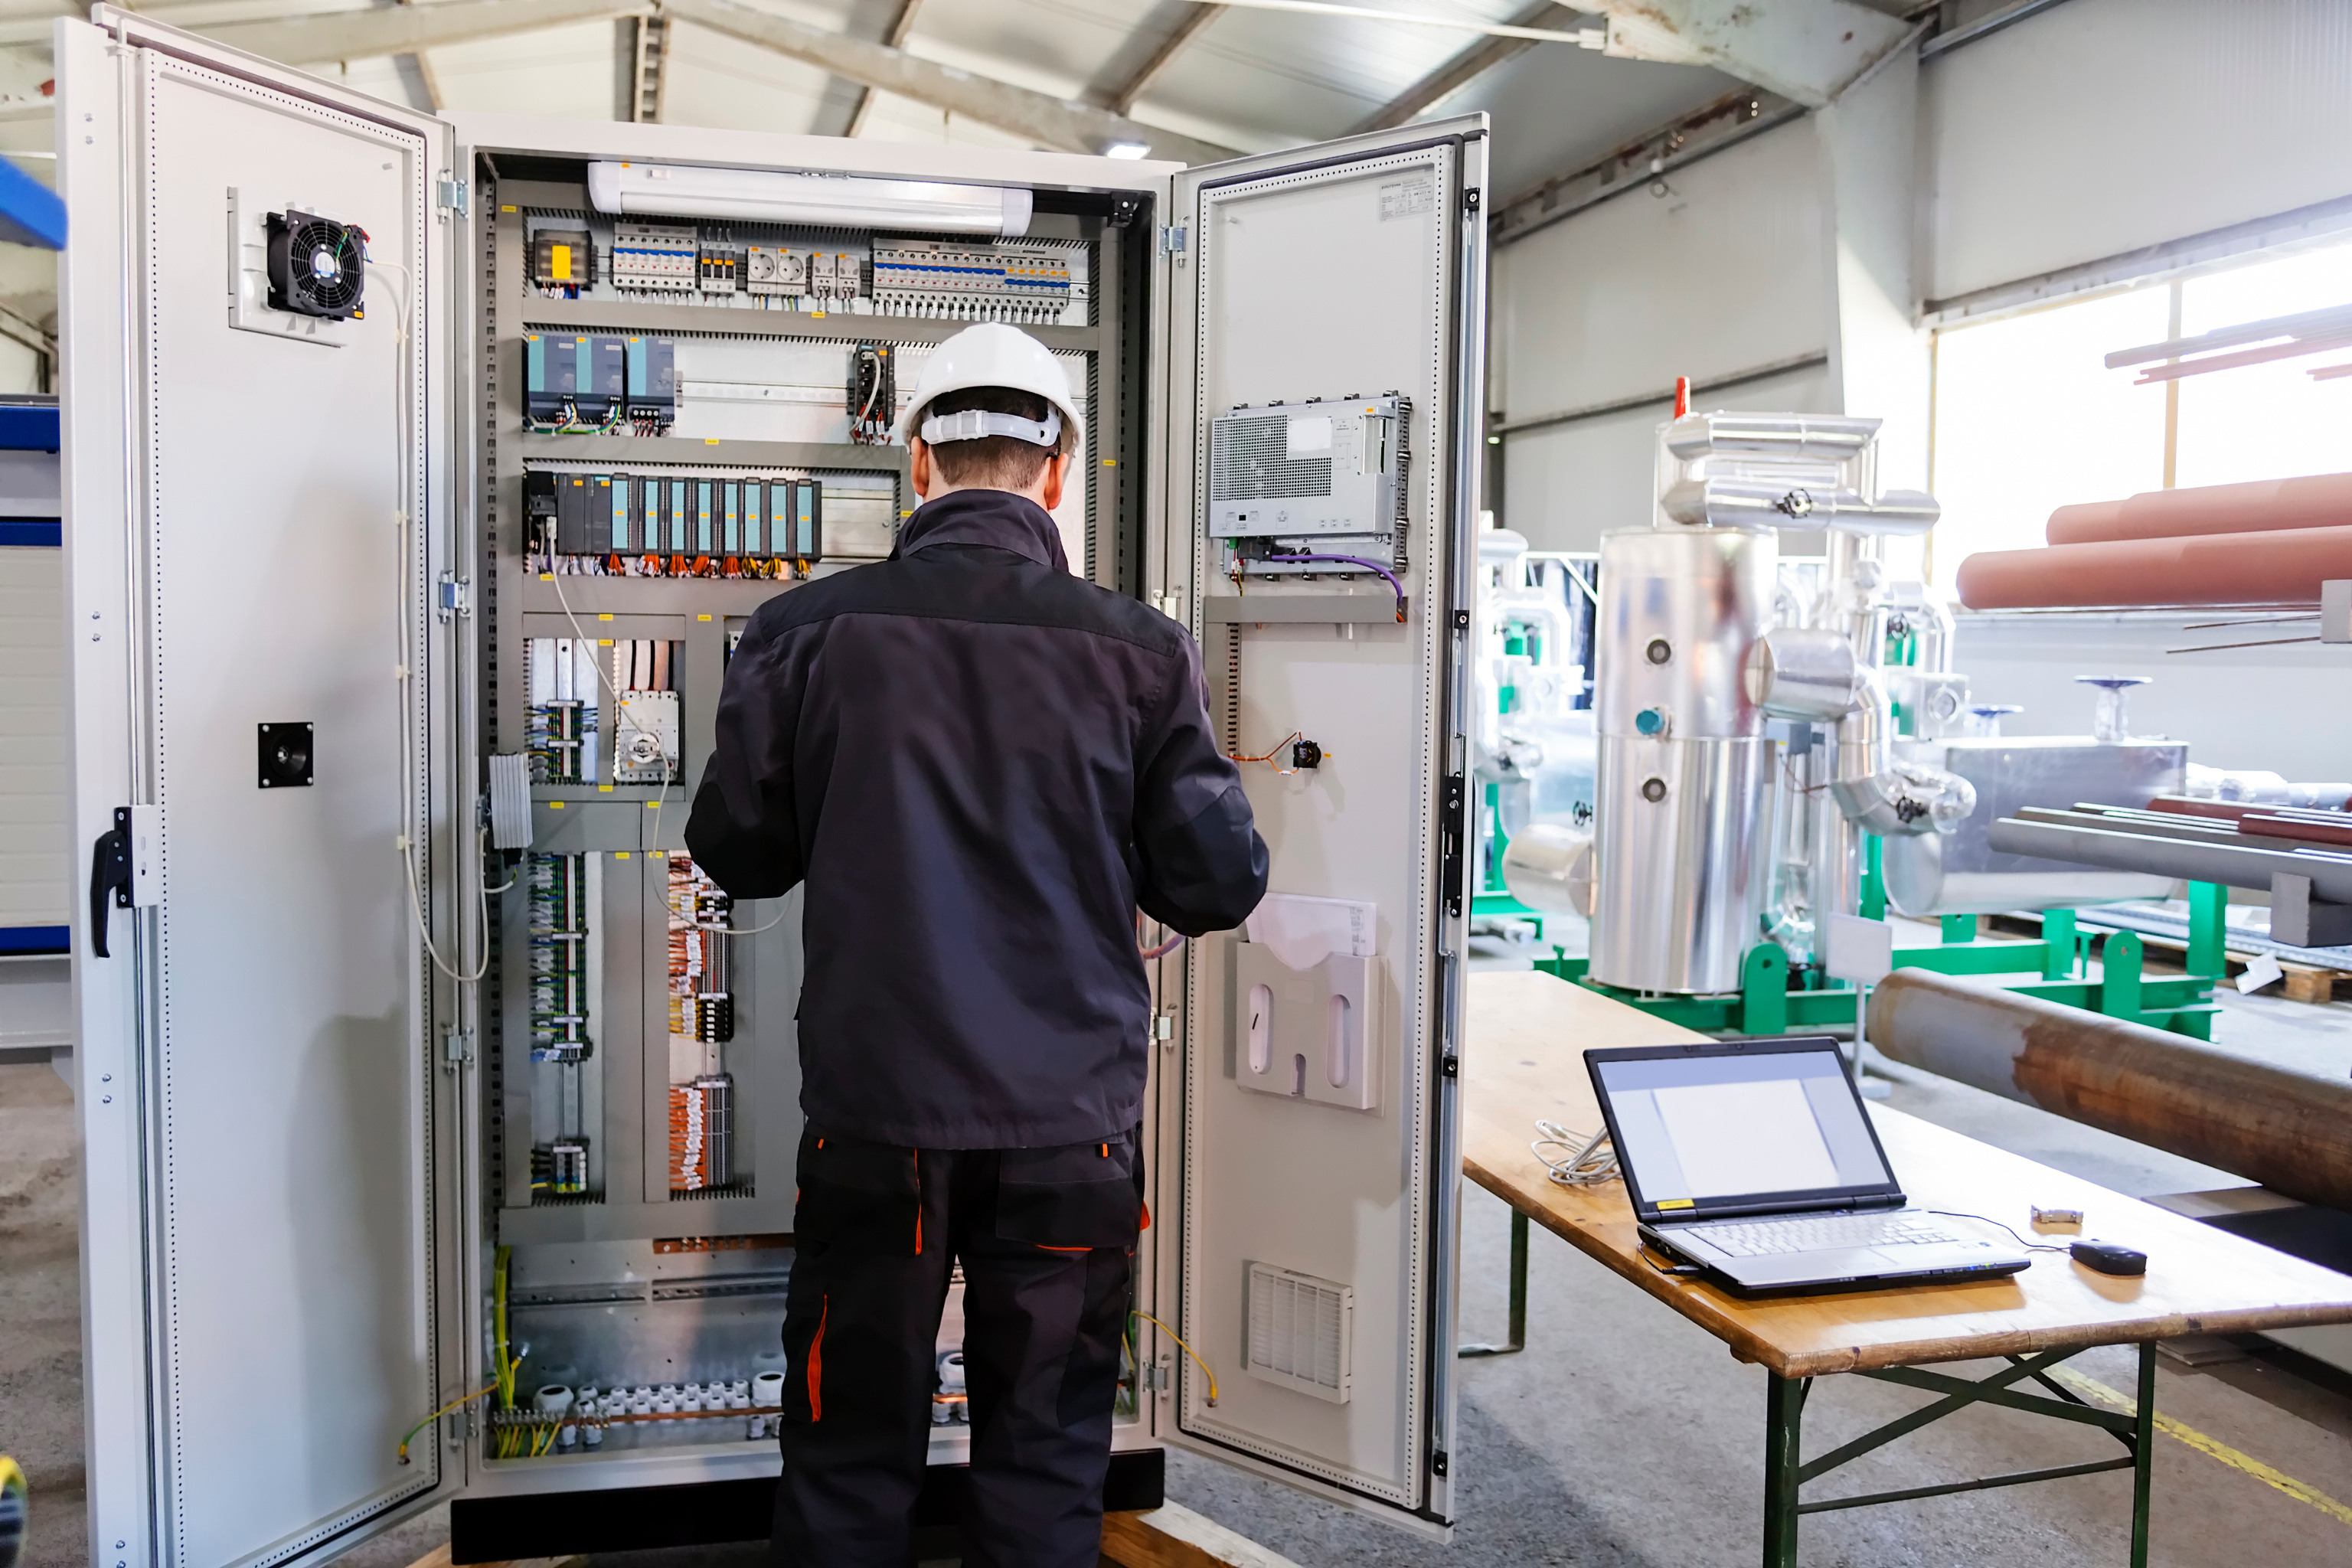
404 29
900 26
1464 68
1808 50
1639 163
426 76
1057 124
1188 26
649 70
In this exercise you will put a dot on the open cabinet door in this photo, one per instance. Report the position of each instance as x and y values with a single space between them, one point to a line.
1325 405
267 787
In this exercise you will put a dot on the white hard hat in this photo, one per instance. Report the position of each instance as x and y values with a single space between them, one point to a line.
993 355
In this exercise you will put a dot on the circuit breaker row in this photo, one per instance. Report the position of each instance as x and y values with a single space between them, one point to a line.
997 282
655 524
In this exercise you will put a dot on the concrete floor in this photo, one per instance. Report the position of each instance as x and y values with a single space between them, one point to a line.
1622 1436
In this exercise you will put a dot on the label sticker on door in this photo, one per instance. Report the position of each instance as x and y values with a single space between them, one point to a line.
1409 198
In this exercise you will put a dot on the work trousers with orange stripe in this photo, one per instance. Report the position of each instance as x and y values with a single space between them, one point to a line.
1046 1241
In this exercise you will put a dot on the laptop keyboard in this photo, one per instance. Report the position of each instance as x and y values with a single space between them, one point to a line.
1819 1233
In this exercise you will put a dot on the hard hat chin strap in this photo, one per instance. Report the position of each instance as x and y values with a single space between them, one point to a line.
973 424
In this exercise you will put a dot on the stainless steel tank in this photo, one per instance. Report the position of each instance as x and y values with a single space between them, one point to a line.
1681 858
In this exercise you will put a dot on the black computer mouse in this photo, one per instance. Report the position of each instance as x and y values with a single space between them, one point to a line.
2109 1257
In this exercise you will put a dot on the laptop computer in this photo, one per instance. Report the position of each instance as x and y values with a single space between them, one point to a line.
1756 1161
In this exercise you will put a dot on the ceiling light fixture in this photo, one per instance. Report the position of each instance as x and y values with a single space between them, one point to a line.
1128 149
766 196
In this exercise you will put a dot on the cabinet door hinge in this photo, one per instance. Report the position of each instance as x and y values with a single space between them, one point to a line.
457 1047
450 196
456 597
1173 237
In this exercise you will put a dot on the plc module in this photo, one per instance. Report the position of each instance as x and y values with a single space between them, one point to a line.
1330 467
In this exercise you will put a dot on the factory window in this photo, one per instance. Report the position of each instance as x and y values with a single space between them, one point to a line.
2028 417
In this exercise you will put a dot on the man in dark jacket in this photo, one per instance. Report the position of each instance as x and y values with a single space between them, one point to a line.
982 767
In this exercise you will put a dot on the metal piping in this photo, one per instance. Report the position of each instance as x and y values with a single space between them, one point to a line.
1918 886
1727 501
2331 875
1935 633
1816 438
1803 673
2289 1131
1880 795
1547 866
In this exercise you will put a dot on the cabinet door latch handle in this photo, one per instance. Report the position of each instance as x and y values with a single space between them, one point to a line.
109 869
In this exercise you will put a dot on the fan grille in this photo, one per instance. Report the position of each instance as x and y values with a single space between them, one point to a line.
327 262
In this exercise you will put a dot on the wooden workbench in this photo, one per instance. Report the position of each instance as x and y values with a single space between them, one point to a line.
1527 1033
1526 1039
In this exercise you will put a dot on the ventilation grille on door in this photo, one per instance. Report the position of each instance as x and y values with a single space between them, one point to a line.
1249 459
1299 1332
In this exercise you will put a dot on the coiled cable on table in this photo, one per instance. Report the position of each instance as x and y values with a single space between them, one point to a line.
1589 1160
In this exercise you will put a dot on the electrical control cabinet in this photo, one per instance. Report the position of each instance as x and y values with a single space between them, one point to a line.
440 1113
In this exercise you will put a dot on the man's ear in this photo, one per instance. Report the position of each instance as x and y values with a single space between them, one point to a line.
1056 474
918 463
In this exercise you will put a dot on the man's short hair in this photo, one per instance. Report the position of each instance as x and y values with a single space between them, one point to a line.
993 462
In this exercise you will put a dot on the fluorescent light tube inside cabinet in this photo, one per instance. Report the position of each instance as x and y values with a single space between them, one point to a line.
762 196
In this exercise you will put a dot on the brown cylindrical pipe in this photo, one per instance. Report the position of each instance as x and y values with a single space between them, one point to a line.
2289 1131
2283 568
2297 828
2239 810
2315 500
2202 805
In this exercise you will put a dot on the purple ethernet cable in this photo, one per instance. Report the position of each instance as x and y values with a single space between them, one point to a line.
1357 561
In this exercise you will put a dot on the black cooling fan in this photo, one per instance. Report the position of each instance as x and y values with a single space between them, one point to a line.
317 266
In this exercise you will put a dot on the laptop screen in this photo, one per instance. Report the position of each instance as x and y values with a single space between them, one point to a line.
1737 1125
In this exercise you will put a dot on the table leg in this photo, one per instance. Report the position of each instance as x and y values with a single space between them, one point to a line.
1518 1341
1784 1405
2143 1453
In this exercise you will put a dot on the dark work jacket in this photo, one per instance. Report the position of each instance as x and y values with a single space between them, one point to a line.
982 766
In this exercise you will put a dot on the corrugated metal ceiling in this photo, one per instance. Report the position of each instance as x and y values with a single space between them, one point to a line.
1249 79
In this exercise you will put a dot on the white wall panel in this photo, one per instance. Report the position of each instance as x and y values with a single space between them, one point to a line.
1724 273
1564 485
2102 126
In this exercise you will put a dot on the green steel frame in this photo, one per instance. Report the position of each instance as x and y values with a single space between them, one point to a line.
1765 1004
1518 1338
1785 1471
